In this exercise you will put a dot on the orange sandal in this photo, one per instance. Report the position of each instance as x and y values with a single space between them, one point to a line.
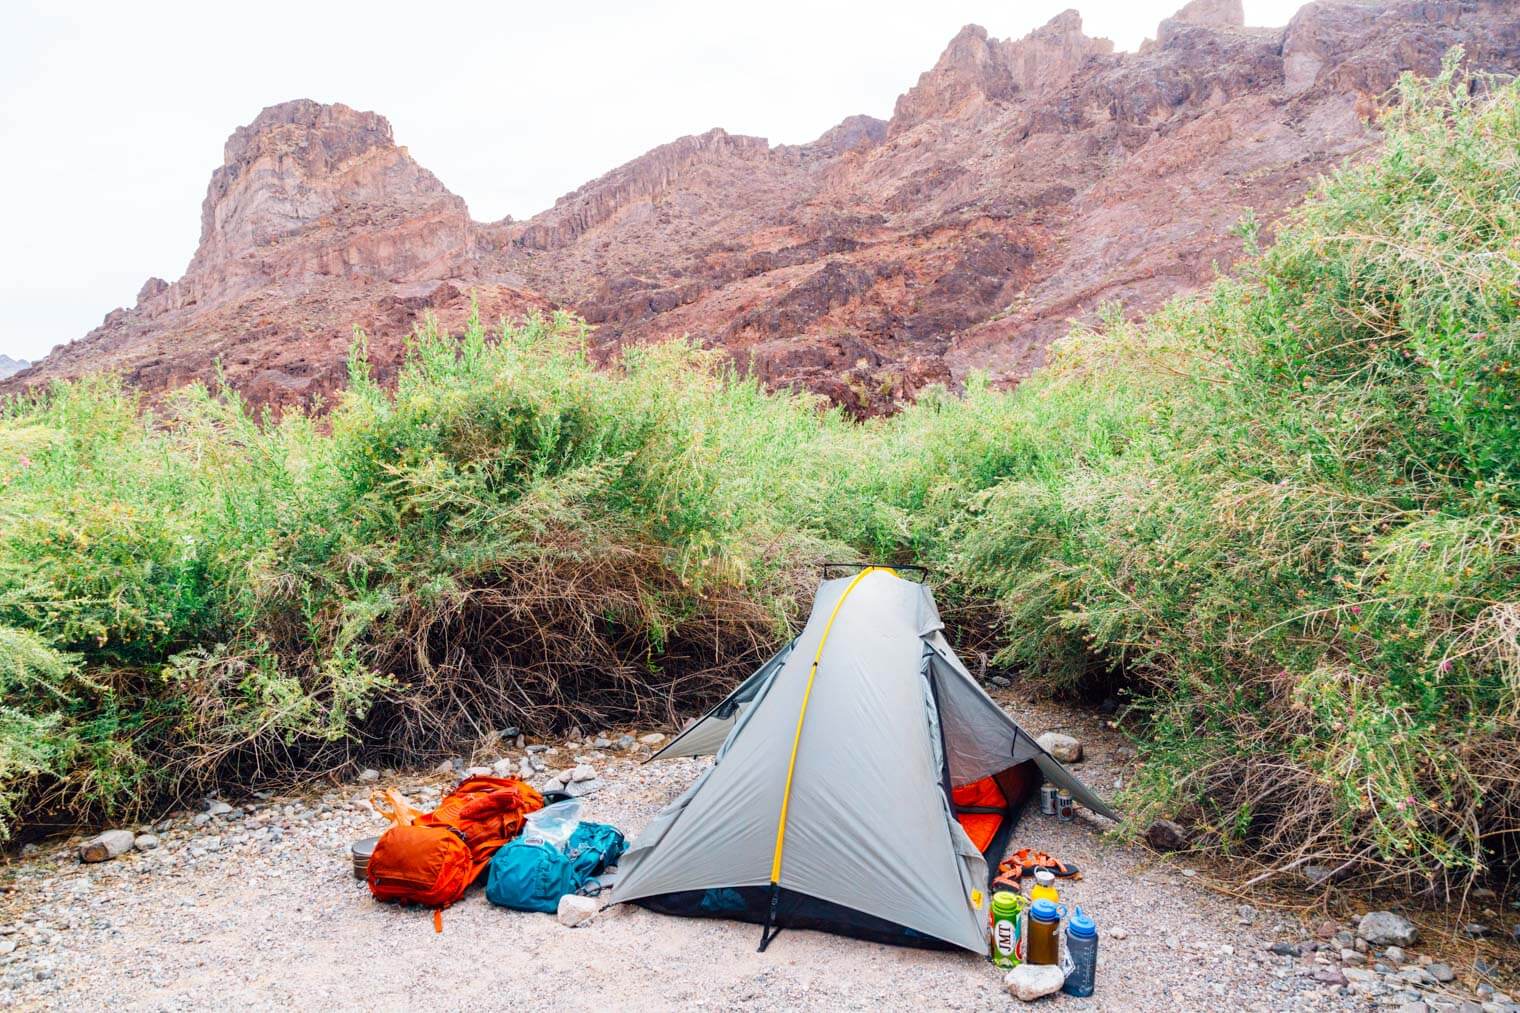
1024 862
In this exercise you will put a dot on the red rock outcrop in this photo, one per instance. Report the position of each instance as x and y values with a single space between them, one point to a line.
315 224
1019 185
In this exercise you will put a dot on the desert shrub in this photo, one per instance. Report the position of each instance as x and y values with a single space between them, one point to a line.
1305 558
193 592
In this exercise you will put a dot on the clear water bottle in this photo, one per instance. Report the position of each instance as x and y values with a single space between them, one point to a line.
1081 960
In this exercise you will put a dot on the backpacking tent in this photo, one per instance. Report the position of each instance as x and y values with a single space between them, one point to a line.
864 784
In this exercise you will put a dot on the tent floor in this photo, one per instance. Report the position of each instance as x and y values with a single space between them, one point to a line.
794 911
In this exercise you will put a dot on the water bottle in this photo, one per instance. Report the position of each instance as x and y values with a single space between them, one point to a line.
1042 945
1081 960
1044 887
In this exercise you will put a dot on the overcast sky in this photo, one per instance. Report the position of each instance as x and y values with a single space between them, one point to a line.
115 114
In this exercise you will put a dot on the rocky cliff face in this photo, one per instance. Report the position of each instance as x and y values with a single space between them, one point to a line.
315 224
1019 185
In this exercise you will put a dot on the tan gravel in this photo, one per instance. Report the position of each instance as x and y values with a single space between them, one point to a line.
250 922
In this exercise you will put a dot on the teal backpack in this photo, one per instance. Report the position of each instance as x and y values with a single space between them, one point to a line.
528 876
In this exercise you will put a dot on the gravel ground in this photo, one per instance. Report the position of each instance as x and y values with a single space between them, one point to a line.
255 908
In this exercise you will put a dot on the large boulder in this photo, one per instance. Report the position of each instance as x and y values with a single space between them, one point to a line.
1063 747
1164 835
1386 928
576 910
1029 982
106 846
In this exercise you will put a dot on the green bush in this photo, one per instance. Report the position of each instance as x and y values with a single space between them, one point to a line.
1304 559
508 537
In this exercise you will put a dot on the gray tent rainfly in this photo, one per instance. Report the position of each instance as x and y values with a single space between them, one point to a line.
852 772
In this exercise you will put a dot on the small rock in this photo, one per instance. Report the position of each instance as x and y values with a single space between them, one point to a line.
1115 932
1246 913
577 910
369 774
201 819
652 739
1189 873
106 846
1063 747
1164 835
583 772
1330 930
626 742
1349 955
1476 930
1386 928
446 767
1394 954
477 772
1414 1007
536 748
1000 681
601 742
7 945
580 789
1284 949
1029 982
145 842
504 767
1329 976
1317 874
510 732
553 784
219 809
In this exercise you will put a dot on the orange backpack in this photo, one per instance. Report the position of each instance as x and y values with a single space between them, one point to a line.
432 858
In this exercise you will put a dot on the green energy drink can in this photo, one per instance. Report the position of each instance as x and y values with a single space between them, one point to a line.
1007 928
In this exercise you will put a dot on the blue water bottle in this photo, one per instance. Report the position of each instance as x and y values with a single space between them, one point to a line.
1081 960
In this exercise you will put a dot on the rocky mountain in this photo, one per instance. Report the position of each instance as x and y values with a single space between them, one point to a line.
316 223
1019 185
9 366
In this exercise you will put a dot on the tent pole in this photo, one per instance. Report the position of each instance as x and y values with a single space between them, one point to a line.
766 935
807 692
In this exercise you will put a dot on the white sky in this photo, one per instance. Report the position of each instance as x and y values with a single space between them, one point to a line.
114 114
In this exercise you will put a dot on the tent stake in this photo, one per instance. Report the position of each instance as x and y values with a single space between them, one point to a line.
766 935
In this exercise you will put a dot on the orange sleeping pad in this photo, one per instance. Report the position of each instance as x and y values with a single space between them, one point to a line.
983 794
